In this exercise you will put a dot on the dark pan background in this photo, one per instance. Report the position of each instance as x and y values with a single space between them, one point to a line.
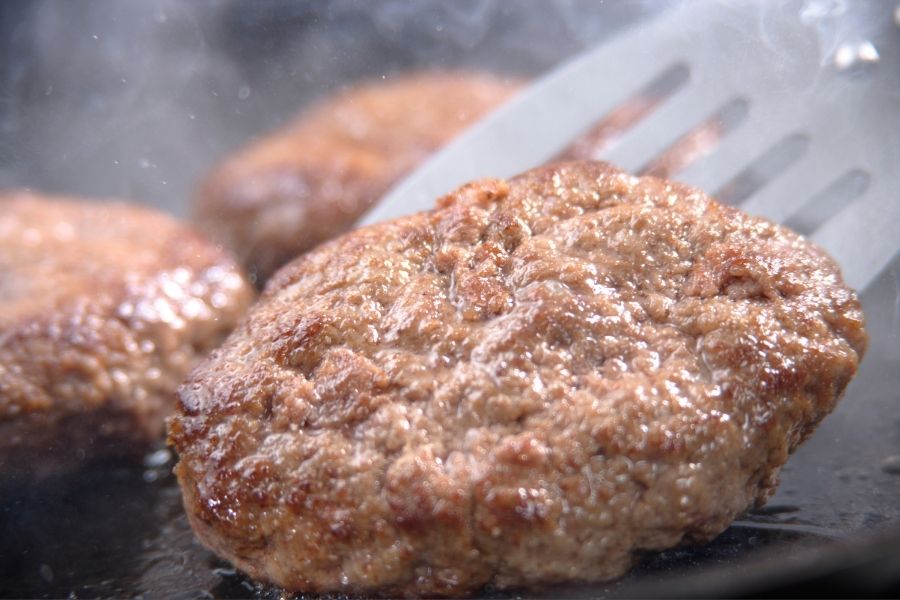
136 99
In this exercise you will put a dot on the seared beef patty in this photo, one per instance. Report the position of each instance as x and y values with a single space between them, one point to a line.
312 180
104 308
532 383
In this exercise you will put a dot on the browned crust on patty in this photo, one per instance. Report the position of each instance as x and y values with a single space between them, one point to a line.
104 308
532 383
309 181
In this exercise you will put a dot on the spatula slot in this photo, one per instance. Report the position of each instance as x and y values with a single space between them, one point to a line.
699 141
764 169
821 207
612 127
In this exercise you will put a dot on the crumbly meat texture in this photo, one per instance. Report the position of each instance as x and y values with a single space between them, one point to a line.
533 383
313 179
104 308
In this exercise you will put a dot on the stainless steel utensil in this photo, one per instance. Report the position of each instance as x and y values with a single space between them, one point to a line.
803 152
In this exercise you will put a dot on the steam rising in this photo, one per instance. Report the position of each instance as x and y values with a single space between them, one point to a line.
136 99
112 98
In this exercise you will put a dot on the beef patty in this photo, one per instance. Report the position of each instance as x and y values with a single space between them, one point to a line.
533 383
104 308
313 179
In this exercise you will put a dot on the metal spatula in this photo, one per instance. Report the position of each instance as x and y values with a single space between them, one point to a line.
818 146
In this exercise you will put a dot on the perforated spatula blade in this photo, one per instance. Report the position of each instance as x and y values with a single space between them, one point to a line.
817 147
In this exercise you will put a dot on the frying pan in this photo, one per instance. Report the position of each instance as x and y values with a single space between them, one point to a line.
135 100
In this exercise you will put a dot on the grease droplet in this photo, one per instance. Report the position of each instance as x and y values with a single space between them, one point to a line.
46 573
855 56
157 459
891 464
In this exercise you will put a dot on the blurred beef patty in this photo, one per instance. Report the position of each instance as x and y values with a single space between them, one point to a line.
104 308
313 179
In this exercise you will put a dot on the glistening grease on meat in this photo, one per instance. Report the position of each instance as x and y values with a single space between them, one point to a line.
533 383
104 309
